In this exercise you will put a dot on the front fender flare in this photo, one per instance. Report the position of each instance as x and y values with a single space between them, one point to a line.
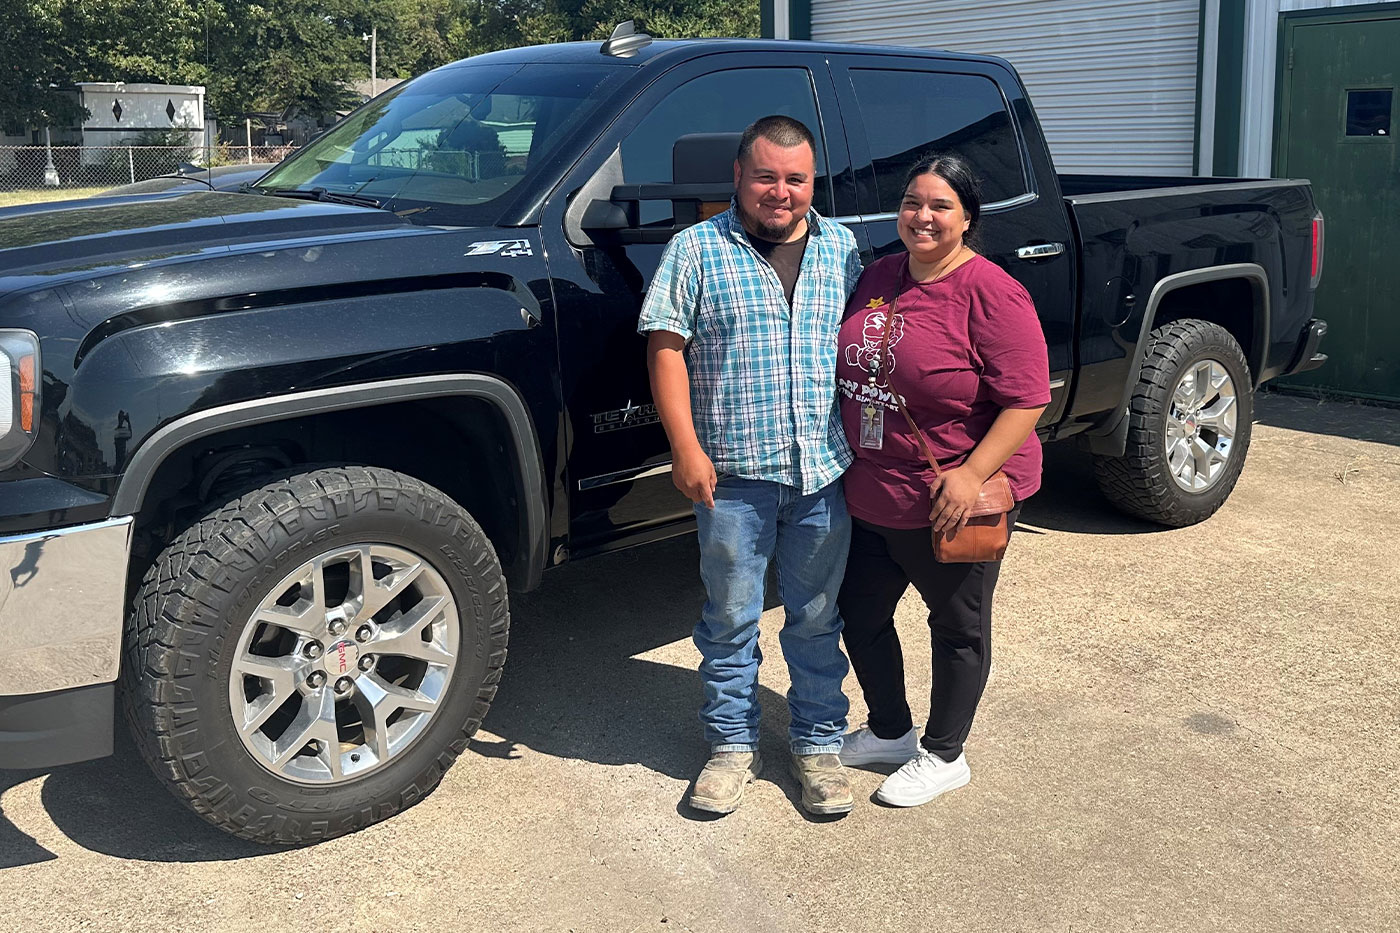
131 491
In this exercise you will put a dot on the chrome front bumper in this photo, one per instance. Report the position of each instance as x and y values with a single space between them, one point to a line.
62 597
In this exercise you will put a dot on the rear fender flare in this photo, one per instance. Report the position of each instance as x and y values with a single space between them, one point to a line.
1111 437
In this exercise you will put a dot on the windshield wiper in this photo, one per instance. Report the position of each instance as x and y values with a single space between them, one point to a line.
321 194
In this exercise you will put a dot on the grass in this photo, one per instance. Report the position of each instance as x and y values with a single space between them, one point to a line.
13 198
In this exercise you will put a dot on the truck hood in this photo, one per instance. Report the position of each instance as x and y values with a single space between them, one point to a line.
46 243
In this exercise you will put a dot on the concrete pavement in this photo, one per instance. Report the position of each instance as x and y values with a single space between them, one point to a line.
1189 729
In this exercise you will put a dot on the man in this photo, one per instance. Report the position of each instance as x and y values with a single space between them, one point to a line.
742 318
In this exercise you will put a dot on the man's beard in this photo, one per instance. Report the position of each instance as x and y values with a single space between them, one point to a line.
777 233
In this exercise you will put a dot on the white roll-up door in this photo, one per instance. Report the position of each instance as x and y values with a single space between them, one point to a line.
1113 81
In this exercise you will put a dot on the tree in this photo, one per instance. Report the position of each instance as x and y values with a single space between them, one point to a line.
282 54
413 35
36 61
486 25
273 55
160 41
676 19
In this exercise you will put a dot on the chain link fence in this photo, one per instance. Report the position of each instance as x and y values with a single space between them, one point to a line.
33 168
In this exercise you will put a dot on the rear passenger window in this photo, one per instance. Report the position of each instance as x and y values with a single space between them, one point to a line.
910 113
724 102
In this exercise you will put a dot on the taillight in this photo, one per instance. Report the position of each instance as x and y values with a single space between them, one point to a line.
19 393
26 394
1316 249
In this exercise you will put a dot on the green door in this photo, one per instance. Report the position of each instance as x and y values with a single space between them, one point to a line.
1339 115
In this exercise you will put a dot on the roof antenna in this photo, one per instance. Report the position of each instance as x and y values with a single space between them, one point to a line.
625 41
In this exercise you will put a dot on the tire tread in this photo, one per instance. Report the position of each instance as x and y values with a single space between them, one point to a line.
177 599
1139 482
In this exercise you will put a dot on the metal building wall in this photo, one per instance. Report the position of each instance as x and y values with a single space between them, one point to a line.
1113 81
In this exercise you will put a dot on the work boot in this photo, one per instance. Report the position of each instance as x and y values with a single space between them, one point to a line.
720 786
825 788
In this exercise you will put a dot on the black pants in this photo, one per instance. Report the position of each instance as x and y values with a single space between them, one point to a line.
883 562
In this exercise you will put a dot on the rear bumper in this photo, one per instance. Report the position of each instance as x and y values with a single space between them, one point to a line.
1308 356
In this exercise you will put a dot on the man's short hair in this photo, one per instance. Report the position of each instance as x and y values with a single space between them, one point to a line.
779 130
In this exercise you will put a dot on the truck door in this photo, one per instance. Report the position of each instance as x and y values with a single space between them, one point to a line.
897 110
618 458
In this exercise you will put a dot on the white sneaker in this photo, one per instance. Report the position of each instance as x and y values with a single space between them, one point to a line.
923 778
864 747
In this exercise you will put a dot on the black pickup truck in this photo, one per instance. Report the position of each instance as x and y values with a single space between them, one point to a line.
269 459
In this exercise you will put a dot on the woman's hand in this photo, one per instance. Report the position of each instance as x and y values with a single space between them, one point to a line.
954 493
957 489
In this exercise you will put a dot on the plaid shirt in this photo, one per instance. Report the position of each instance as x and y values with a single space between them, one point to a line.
762 375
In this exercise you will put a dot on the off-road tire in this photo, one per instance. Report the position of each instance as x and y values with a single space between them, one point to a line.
196 597
1140 482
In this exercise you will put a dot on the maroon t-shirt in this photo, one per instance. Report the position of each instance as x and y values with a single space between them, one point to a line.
962 349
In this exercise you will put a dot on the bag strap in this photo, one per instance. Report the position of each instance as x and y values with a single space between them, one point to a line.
903 405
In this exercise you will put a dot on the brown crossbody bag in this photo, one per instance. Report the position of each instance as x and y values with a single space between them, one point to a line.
987 531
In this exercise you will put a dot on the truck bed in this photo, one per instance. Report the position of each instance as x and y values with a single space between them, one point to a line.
1136 231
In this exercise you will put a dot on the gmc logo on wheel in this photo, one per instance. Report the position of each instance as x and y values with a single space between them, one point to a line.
340 657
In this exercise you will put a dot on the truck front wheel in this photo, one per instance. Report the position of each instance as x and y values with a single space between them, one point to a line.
1188 429
311 657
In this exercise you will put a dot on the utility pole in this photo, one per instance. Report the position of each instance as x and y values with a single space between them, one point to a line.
373 39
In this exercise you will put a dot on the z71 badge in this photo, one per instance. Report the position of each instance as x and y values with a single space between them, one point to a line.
506 248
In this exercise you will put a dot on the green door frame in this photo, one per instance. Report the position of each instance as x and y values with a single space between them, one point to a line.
1359 13
1289 22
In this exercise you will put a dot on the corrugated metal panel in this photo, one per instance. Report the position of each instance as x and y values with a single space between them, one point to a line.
1113 81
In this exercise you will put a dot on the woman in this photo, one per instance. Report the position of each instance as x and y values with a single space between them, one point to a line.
966 352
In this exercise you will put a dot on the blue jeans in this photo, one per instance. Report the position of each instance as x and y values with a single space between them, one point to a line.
752 522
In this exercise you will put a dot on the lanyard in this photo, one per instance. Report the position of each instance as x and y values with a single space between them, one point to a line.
878 364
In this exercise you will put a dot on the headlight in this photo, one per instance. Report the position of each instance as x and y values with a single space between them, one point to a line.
19 394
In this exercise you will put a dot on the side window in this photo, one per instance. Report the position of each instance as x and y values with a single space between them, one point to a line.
910 113
721 102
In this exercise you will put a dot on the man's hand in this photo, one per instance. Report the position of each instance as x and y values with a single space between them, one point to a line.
691 469
954 493
694 476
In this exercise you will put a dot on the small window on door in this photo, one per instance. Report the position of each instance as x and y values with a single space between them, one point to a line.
908 114
724 102
1368 112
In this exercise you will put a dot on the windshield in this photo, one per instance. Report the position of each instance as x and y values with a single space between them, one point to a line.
454 139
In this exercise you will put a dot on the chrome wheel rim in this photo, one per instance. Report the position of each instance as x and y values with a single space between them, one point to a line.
1201 425
344 664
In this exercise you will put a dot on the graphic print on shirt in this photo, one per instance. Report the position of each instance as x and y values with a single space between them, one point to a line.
865 356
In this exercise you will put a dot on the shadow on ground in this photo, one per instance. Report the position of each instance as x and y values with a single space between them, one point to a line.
575 688
1069 499
1362 422
116 806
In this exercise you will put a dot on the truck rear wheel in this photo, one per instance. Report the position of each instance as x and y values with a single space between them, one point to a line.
311 657
1188 430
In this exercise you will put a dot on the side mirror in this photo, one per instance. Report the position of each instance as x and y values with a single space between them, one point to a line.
601 216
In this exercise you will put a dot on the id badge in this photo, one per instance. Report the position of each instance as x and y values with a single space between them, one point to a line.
872 428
